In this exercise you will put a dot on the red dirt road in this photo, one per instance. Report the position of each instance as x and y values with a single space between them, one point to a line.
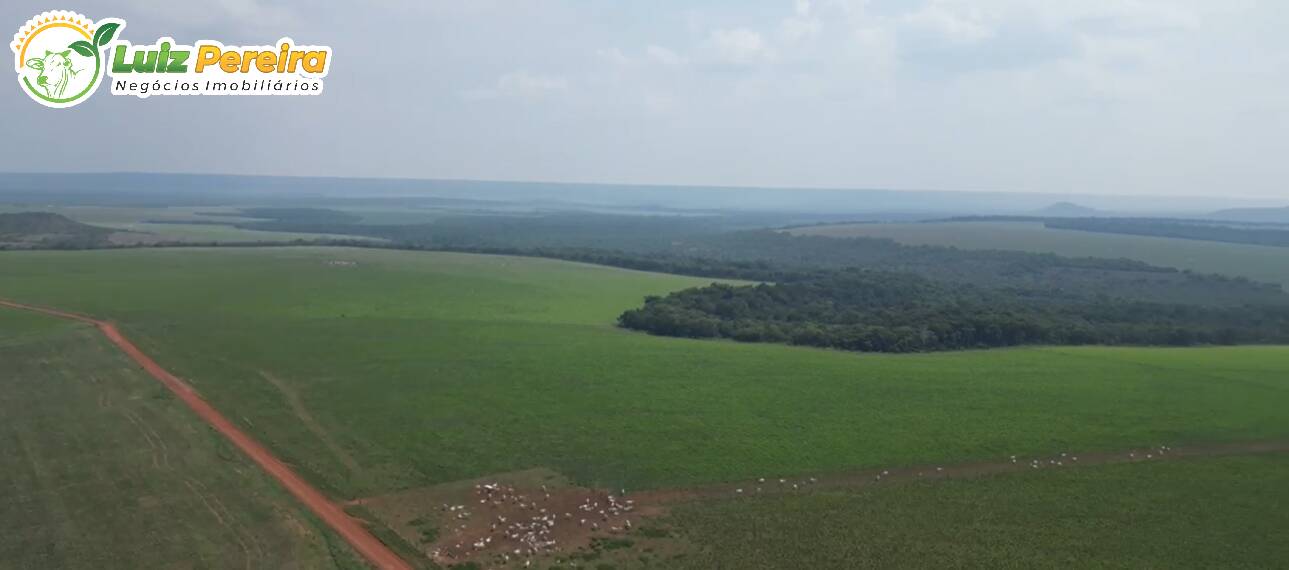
364 542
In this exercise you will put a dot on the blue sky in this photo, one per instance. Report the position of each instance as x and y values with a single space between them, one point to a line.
1091 96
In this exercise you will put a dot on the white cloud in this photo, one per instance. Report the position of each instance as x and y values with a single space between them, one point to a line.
954 24
520 85
1007 94
803 24
614 56
739 46
659 54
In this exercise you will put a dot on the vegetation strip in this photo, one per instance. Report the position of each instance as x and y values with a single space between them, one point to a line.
363 541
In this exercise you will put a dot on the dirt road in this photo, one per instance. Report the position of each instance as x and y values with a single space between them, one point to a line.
331 513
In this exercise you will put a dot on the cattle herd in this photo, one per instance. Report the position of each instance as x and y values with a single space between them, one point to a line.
507 525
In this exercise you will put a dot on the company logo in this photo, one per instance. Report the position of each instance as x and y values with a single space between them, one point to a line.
58 56
61 57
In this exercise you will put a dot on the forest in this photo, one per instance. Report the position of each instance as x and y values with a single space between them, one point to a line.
1268 233
739 246
863 294
874 311
1183 229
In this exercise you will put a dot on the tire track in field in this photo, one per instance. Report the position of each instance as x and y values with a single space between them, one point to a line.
329 512
296 403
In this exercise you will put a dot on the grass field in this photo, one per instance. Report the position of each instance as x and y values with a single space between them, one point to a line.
406 369
1198 513
100 468
135 228
378 371
1261 263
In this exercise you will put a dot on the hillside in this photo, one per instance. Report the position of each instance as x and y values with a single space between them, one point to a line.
43 229
1068 210
1253 215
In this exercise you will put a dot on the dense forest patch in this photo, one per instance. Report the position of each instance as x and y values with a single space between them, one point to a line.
890 312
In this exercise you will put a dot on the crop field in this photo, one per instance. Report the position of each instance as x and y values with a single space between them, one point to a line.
377 372
1260 263
418 368
1199 513
100 469
143 233
136 225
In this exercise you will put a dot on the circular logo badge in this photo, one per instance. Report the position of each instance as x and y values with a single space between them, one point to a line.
59 56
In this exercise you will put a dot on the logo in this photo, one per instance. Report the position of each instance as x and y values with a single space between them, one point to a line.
61 57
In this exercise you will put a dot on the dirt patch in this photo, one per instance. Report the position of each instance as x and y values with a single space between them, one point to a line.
511 519
129 237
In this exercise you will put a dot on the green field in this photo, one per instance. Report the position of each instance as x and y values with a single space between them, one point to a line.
419 368
100 468
135 228
375 371
1260 263
1198 513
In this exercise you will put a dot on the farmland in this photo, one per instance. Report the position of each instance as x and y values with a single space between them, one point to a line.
102 470
1201 513
139 225
1262 263
431 367
375 372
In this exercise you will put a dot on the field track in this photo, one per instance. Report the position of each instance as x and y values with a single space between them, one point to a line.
868 477
332 514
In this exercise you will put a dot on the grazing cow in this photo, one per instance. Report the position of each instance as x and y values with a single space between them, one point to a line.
55 72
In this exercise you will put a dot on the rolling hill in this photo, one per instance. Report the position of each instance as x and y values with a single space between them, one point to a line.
43 229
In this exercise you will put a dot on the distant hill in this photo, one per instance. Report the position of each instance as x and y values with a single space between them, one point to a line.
1253 215
26 230
1068 210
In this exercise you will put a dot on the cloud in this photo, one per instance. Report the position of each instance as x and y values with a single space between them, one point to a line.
247 14
664 56
653 54
802 24
614 56
1005 94
956 26
739 46
522 85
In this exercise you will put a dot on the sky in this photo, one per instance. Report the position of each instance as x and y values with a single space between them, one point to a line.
1138 97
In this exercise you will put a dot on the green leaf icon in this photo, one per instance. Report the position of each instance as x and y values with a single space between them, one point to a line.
83 47
104 33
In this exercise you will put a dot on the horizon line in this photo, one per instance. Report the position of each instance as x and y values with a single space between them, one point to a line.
652 185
